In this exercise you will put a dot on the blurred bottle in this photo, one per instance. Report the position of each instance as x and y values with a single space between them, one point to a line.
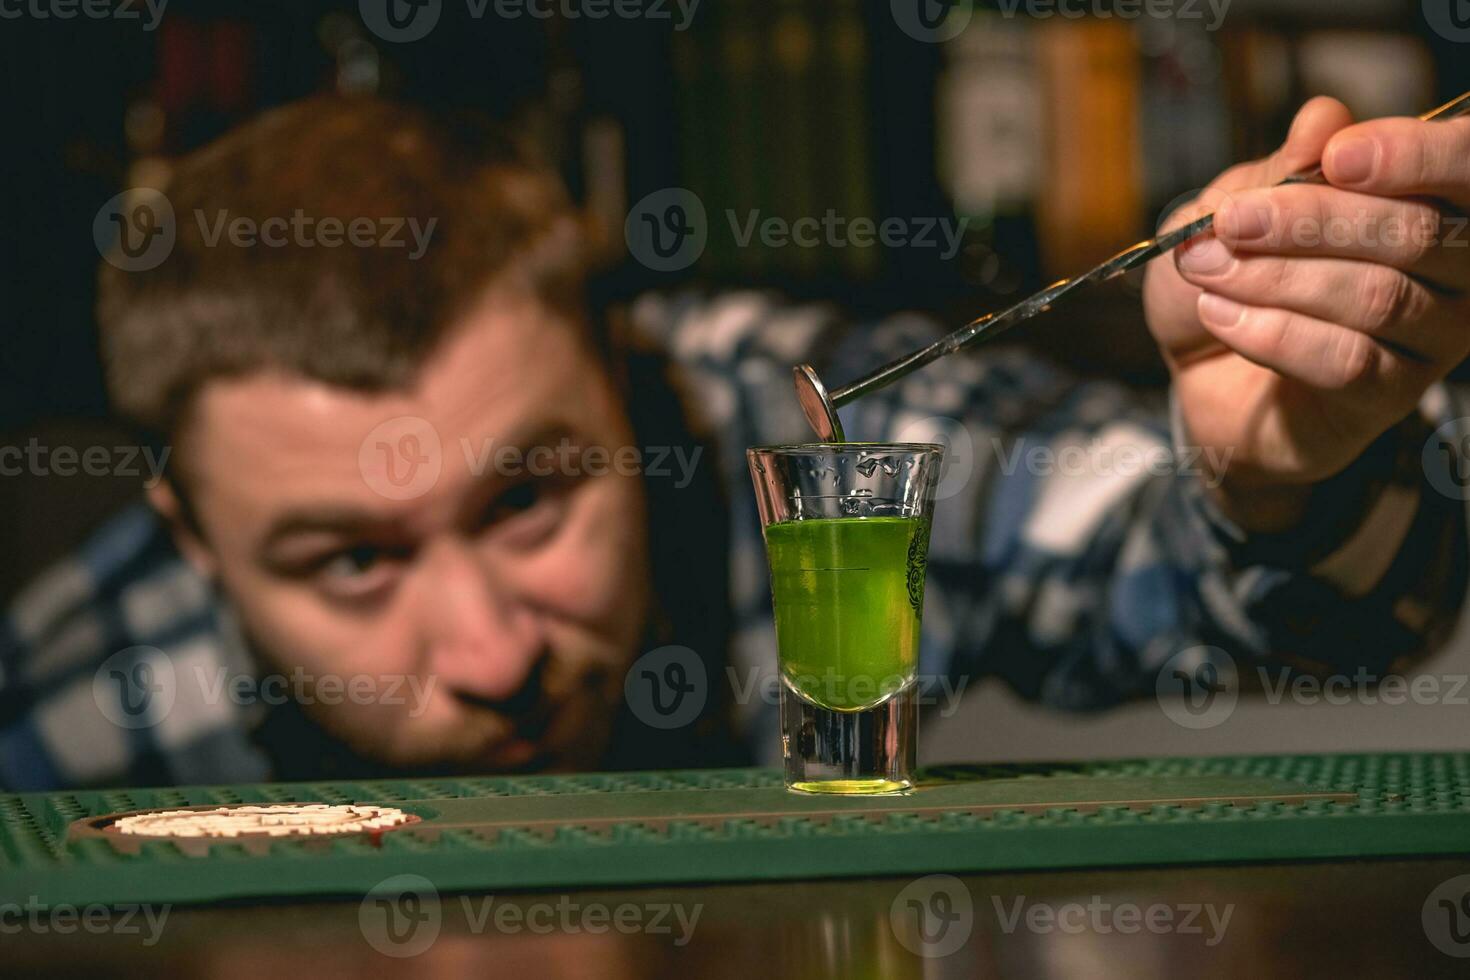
990 148
1184 123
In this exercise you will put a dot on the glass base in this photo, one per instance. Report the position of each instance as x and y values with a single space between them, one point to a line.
869 752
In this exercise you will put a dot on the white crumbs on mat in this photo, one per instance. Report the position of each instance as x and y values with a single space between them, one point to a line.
279 820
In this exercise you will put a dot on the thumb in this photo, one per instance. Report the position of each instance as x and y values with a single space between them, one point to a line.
1311 130
1314 125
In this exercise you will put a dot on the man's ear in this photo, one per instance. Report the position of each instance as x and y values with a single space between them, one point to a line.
165 499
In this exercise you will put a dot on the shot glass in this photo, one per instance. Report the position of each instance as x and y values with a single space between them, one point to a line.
846 527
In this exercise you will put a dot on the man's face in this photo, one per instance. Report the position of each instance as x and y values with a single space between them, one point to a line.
509 590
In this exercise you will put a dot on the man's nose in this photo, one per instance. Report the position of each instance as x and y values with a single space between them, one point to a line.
482 641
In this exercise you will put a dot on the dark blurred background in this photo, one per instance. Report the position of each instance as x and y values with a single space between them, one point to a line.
1061 130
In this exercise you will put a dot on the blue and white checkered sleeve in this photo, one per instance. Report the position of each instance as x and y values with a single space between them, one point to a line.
1376 571
107 671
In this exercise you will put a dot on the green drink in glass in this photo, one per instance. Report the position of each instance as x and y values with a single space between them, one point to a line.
847 618
847 537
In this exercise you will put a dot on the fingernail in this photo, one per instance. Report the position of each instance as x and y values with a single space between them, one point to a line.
1219 311
1353 159
1205 256
1246 219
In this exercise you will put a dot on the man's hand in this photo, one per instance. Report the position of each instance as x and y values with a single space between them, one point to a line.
1313 318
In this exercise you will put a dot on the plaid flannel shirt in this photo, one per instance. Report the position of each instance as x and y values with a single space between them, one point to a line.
1074 553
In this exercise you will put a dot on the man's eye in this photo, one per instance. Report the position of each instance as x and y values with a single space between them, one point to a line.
361 572
518 499
527 513
353 562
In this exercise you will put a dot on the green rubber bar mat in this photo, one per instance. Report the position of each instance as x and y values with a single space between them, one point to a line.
499 833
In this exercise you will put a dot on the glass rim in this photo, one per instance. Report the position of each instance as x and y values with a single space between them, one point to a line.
836 448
